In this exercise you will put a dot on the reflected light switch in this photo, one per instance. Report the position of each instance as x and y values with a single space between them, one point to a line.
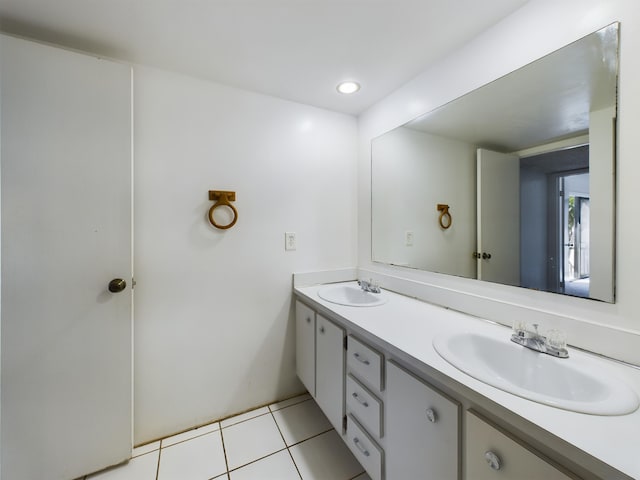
408 238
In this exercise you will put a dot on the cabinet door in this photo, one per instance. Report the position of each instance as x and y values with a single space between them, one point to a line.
330 370
306 346
492 455
422 429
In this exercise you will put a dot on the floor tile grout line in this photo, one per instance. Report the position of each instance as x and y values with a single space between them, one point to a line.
285 444
141 454
312 436
246 420
224 452
291 405
294 462
257 460
158 465
186 439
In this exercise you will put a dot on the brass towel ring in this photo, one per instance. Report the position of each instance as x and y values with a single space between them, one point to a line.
445 217
222 198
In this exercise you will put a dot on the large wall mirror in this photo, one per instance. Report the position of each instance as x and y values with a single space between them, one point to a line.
512 183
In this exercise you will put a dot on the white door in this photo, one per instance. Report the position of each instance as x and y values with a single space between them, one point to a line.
422 429
498 217
66 233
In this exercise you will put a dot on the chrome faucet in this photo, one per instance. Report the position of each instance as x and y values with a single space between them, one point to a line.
369 286
554 344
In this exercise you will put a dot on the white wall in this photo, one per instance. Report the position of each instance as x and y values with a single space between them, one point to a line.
416 171
601 210
540 27
214 331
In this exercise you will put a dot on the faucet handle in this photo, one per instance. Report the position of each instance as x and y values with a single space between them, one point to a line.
535 328
557 339
519 327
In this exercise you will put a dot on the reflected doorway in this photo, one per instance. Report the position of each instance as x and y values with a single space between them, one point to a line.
574 201
554 229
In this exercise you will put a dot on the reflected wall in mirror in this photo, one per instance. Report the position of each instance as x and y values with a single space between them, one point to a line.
526 165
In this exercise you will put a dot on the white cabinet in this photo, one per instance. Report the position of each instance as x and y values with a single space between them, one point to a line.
330 370
398 425
492 454
320 361
422 429
306 346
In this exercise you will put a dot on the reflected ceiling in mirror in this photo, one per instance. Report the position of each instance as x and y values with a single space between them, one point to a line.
526 167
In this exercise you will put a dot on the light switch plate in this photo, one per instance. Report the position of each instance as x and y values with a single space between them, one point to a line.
290 242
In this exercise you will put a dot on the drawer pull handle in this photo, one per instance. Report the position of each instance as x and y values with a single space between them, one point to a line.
359 400
360 359
308 319
493 460
356 442
431 415
321 329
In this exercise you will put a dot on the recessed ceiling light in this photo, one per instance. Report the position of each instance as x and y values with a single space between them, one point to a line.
348 87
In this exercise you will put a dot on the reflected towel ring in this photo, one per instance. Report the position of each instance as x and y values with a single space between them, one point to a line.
222 198
444 219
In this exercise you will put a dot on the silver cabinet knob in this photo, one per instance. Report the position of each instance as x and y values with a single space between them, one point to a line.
361 447
361 359
431 415
364 403
493 460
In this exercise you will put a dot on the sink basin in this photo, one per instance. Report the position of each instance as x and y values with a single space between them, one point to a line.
351 295
576 383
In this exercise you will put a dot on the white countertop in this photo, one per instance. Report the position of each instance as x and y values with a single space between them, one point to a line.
410 326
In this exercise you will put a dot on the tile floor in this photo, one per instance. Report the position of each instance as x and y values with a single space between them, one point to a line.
284 441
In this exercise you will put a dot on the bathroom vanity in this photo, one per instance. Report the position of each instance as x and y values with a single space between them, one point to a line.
406 412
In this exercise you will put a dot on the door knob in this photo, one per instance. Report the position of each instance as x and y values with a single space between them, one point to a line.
486 256
117 285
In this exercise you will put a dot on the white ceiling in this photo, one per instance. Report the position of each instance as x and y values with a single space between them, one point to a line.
293 49
547 100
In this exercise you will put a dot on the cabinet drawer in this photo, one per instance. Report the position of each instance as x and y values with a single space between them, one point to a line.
492 454
364 406
365 449
365 363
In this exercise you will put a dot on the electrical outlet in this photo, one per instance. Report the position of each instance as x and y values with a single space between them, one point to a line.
290 242
408 238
